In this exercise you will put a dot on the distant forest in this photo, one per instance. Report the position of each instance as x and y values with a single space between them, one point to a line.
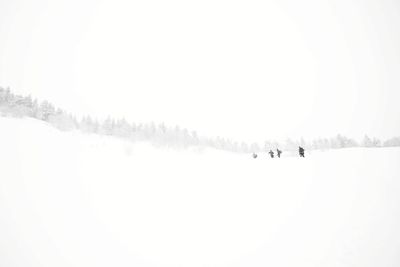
162 135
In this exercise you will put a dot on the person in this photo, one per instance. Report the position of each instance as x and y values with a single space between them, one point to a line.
271 153
278 152
254 155
301 151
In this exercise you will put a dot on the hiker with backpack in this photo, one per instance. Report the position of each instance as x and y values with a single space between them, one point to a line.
271 153
301 152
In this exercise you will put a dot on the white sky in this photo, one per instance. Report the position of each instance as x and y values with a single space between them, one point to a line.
248 70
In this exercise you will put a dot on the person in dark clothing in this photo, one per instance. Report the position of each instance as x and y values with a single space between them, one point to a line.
271 153
278 152
301 151
254 155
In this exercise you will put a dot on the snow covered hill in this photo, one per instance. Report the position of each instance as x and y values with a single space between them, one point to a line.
73 199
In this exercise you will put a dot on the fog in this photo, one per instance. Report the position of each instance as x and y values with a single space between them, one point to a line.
248 70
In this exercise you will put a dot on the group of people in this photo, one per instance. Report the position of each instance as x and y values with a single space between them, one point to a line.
279 152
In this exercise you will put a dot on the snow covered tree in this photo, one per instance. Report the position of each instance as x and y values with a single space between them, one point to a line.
45 110
122 129
368 142
195 138
62 121
395 141
107 127
254 147
290 145
5 96
376 142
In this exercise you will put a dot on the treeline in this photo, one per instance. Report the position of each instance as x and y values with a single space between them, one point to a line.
157 134
160 134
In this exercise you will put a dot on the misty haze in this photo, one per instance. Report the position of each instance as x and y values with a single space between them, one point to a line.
199 133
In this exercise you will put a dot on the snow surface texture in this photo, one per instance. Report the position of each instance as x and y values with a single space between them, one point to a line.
72 199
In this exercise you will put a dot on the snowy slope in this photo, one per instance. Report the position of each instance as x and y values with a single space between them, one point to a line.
72 199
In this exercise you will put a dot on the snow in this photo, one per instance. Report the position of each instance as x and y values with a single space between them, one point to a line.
73 199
